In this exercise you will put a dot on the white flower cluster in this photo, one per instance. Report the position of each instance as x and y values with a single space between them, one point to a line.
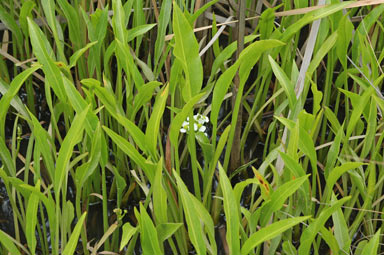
198 124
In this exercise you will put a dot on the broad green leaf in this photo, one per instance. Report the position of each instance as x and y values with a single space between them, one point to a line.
195 231
371 247
208 175
6 158
329 238
226 54
7 19
153 126
206 147
201 10
144 94
309 234
31 221
340 228
79 104
74 239
335 174
73 20
345 32
41 47
14 88
57 33
357 111
131 151
289 249
160 205
321 53
73 59
164 17
110 103
312 16
15 102
284 82
221 88
278 198
26 11
148 234
118 23
128 232
7 242
371 130
269 232
74 135
45 144
124 55
239 188
187 51
137 31
333 153
209 227
166 230
232 213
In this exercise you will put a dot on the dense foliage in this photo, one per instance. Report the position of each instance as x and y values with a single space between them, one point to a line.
142 127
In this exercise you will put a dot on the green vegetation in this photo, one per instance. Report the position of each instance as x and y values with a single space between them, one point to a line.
124 130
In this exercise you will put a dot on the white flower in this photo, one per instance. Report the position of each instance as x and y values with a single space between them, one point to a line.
201 119
198 124
184 127
202 129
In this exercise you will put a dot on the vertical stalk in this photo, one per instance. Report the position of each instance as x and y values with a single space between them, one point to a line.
235 152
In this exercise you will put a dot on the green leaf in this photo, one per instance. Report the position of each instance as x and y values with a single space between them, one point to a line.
139 30
187 51
201 10
143 96
79 104
221 88
309 234
49 13
335 174
9 21
311 16
208 175
73 59
278 198
26 11
166 230
160 205
42 50
371 247
7 242
164 17
284 82
74 239
73 137
118 21
15 102
6 158
131 151
269 232
128 232
31 221
153 126
232 213
14 88
340 228
148 234
195 231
